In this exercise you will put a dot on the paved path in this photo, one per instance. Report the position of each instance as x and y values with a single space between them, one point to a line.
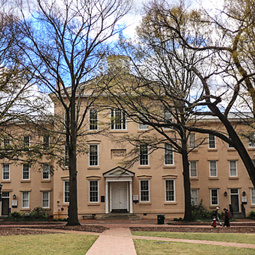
114 241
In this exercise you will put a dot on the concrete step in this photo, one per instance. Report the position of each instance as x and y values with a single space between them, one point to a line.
238 215
120 216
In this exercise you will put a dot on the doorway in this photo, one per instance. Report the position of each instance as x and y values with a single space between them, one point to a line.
119 197
5 203
234 196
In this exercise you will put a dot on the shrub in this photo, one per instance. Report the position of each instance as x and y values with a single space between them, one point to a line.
199 212
39 213
251 215
15 215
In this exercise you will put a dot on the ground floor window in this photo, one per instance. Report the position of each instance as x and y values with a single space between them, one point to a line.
144 191
66 191
169 187
46 199
93 191
194 196
253 196
214 197
25 199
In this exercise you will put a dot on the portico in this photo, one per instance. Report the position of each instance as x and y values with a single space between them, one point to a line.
118 195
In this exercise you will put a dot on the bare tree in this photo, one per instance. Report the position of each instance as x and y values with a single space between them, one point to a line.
64 42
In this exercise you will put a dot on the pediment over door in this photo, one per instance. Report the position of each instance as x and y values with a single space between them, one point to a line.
118 172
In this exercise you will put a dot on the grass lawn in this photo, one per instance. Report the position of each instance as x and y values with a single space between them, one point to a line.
221 237
145 247
46 244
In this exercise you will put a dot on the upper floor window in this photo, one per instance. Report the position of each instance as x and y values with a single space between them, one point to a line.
93 154
26 172
7 141
93 119
6 171
93 191
142 126
232 168
168 117
170 190
193 168
26 142
212 142
46 172
213 168
46 142
144 155
144 191
66 191
66 156
192 140
118 119
251 143
169 154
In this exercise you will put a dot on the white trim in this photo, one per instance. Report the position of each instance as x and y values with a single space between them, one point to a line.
140 191
209 142
22 202
94 202
64 191
216 168
93 144
190 162
217 197
23 172
89 120
148 158
234 169
47 199
174 190
43 171
172 151
9 171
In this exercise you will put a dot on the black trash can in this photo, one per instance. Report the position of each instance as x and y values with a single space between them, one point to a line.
161 219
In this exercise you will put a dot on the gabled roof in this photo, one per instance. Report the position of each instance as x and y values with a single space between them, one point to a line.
118 172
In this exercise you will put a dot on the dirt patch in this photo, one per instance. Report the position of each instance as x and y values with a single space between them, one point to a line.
19 231
196 229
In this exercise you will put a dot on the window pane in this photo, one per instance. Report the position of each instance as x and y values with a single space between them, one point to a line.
6 171
93 121
194 196
214 196
232 166
144 186
93 155
25 199
144 157
45 202
67 190
193 168
46 171
25 174
192 140
212 143
253 196
118 119
213 168
46 142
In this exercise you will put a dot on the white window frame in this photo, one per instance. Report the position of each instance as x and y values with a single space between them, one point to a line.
193 168
251 143
94 125
212 169
168 117
141 160
25 200
194 196
123 120
253 196
148 190
23 171
141 125
47 199
233 167
97 155
5 172
166 195
45 170
91 191
192 140
217 197
168 153
211 139
65 192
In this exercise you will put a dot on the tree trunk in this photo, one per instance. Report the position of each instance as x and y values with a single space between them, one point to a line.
186 180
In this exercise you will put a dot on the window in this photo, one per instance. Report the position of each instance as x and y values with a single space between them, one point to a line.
144 155
66 191
214 197
193 168
26 142
66 158
253 196
6 171
46 172
168 117
232 168
7 141
169 186
118 119
144 191
142 126
194 196
251 143
212 142
93 191
93 119
213 168
169 154
93 155
192 140
26 172
46 199
46 142
25 199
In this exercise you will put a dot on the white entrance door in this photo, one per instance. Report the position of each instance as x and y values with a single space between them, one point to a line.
119 196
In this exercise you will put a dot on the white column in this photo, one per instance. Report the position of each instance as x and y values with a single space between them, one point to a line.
106 198
130 198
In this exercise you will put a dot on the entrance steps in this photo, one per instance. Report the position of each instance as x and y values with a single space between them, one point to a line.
238 215
120 216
